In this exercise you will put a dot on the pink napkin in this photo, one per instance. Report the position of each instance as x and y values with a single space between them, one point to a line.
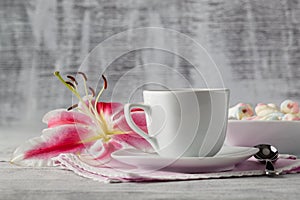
286 164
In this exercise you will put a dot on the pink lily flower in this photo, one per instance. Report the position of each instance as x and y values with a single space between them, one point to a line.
91 130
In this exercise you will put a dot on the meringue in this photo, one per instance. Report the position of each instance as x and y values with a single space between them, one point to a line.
290 117
289 107
273 116
265 109
288 111
240 111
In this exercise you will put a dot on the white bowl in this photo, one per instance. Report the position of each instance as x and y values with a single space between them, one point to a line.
284 135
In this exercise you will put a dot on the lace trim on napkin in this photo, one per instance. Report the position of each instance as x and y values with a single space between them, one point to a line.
286 164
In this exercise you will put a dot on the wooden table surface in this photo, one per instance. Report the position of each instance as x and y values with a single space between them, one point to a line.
49 183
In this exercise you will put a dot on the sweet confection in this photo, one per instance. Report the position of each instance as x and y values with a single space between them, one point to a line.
240 111
273 116
288 111
290 117
265 109
289 107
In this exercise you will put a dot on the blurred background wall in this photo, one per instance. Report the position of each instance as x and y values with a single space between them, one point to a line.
255 44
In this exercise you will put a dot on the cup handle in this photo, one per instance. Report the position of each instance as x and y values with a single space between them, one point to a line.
127 109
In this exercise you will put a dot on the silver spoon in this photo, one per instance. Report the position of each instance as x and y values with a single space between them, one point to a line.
267 154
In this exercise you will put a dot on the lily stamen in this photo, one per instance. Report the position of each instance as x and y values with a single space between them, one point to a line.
76 93
72 78
105 82
71 84
83 75
72 107
103 88
90 106
105 127
92 91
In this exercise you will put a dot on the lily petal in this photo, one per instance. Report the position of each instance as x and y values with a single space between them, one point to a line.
131 138
138 117
99 154
62 116
109 108
134 140
61 139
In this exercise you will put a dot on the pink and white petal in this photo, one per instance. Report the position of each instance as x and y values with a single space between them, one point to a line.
109 108
134 140
61 139
139 119
62 116
18 156
99 154
120 112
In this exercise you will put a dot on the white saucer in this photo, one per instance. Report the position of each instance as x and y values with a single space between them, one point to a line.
224 160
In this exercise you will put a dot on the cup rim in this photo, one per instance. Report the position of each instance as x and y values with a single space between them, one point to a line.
180 90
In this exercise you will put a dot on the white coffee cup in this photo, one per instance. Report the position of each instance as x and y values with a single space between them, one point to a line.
183 122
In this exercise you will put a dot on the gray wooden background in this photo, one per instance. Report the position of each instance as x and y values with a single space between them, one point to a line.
255 44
